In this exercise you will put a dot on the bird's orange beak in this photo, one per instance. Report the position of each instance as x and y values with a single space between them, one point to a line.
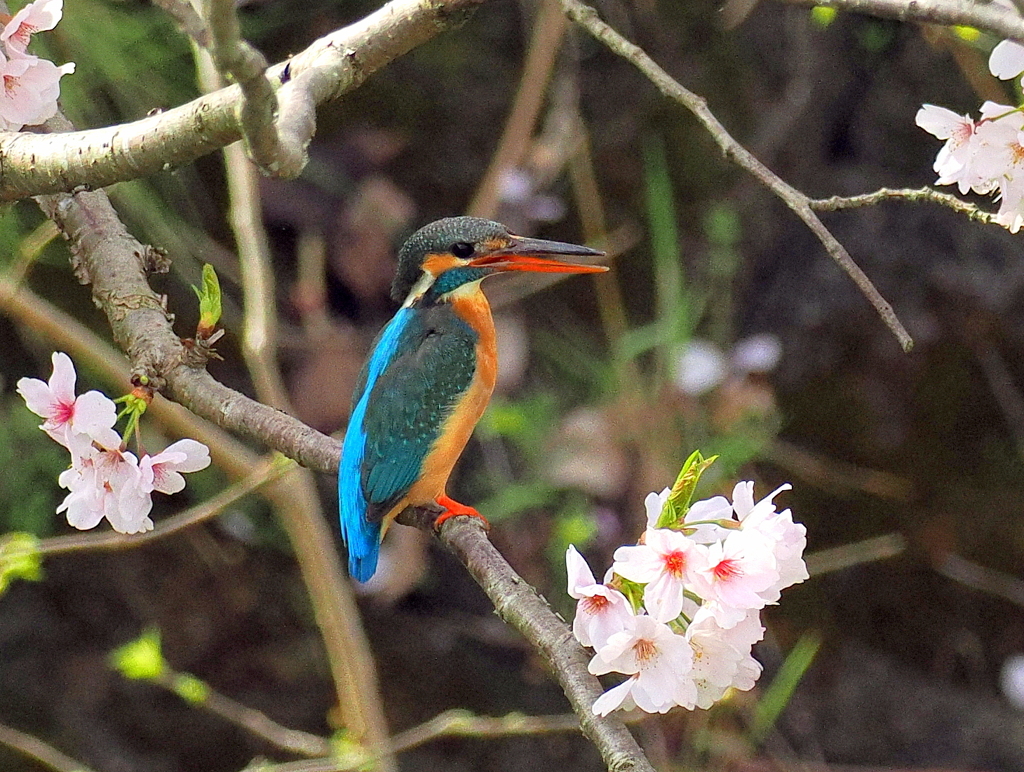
524 254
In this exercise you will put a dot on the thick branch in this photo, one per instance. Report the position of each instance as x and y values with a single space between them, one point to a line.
990 17
33 164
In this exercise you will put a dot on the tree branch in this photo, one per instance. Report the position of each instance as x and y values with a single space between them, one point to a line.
33 164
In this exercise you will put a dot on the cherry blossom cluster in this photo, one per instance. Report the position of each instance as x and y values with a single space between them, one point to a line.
679 612
104 479
31 84
985 155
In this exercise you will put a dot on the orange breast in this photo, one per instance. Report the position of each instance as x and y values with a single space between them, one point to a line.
473 309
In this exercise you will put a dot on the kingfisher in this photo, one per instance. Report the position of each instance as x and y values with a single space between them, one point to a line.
429 376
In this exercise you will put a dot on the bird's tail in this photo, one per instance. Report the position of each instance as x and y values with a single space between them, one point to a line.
363 548
361 537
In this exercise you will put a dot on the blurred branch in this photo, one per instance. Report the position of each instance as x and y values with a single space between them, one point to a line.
821 471
798 202
34 164
838 203
239 61
545 43
990 17
981 578
451 723
42 752
200 693
846 555
188 21
267 471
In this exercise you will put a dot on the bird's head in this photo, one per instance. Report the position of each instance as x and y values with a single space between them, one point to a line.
455 252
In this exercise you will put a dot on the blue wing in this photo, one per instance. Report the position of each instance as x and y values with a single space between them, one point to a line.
362 536
423 361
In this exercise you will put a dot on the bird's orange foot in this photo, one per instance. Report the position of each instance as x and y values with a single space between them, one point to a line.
453 508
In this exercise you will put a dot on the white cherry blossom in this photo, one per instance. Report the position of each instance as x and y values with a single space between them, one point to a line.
666 562
34 17
601 611
162 472
658 662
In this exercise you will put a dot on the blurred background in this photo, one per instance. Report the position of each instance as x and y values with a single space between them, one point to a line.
723 326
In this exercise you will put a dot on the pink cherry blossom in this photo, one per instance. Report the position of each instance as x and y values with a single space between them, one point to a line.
666 562
721 656
953 164
162 472
658 662
30 89
73 421
34 17
601 611
106 484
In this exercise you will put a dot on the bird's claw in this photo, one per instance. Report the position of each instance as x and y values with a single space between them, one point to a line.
453 508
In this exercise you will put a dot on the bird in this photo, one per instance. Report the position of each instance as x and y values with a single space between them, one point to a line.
429 376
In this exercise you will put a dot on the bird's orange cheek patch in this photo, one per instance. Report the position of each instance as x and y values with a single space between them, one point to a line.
438 264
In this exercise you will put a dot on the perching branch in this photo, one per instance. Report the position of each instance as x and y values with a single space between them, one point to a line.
990 17
797 201
42 752
33 164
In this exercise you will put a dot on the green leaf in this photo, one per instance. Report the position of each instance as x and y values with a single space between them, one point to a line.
19 559
678 501
209 302
823 16
141 659
777 696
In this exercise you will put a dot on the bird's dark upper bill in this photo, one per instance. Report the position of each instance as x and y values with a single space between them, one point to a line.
530 255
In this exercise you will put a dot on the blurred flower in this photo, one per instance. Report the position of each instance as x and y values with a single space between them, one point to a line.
1011 680
34 17
701 366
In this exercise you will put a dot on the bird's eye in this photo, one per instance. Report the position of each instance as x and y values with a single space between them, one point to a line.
462 249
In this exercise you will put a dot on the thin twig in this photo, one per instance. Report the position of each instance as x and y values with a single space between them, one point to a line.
838 203
268 471
188 21
42 752
981 578
798 202
990 17
250 719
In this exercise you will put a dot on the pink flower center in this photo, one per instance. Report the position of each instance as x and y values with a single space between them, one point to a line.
675 563
962 133
645 651
726 570
595 604
11 84
63 412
